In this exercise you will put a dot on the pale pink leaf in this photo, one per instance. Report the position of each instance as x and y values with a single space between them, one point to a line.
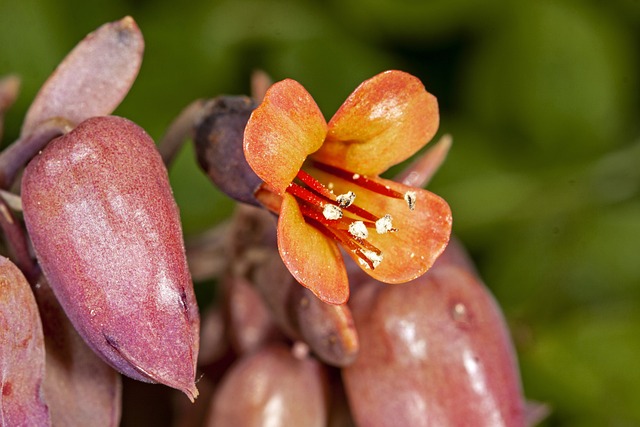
94 77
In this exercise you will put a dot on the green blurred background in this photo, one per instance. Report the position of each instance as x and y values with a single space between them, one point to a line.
541 97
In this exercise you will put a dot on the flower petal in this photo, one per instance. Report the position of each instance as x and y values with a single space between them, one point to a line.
420 237
282 132
312 258
383 122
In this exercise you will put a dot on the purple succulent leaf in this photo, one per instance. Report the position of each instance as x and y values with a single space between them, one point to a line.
106 231
22 352
94 77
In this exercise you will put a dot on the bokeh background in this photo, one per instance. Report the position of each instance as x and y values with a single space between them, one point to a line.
542 100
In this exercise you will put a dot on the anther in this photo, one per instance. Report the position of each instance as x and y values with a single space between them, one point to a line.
345 200
375 258
331 212
384 224
410 198
358 229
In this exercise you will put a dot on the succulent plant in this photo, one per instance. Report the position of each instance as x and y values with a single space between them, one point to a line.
103 284
106 231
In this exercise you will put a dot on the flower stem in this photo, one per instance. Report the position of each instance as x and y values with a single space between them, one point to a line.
182 127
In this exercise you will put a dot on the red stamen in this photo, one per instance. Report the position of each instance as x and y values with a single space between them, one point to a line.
321 190
304 194
365 259
357 179
357 210
368 246
312 199
345 239
315 185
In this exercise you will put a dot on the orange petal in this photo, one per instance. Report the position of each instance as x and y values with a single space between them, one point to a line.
422 234
312 258
282 132
383 122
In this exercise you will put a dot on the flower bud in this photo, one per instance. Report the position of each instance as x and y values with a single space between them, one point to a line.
328 329
218 142
272 388
106 231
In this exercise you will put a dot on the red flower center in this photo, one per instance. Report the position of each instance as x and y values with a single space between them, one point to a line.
339 217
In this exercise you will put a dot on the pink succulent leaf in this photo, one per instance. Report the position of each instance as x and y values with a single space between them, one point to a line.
446 334
94 77
110 244
272 387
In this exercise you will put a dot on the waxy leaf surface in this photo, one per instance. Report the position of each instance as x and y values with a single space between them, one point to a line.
106 231
434 351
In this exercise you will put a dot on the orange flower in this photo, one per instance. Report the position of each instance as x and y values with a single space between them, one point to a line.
323 181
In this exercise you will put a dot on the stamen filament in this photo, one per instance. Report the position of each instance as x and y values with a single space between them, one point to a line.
368 246
315 185
309 210
317 205
319 200
362 213
359 180
309 196
345 240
